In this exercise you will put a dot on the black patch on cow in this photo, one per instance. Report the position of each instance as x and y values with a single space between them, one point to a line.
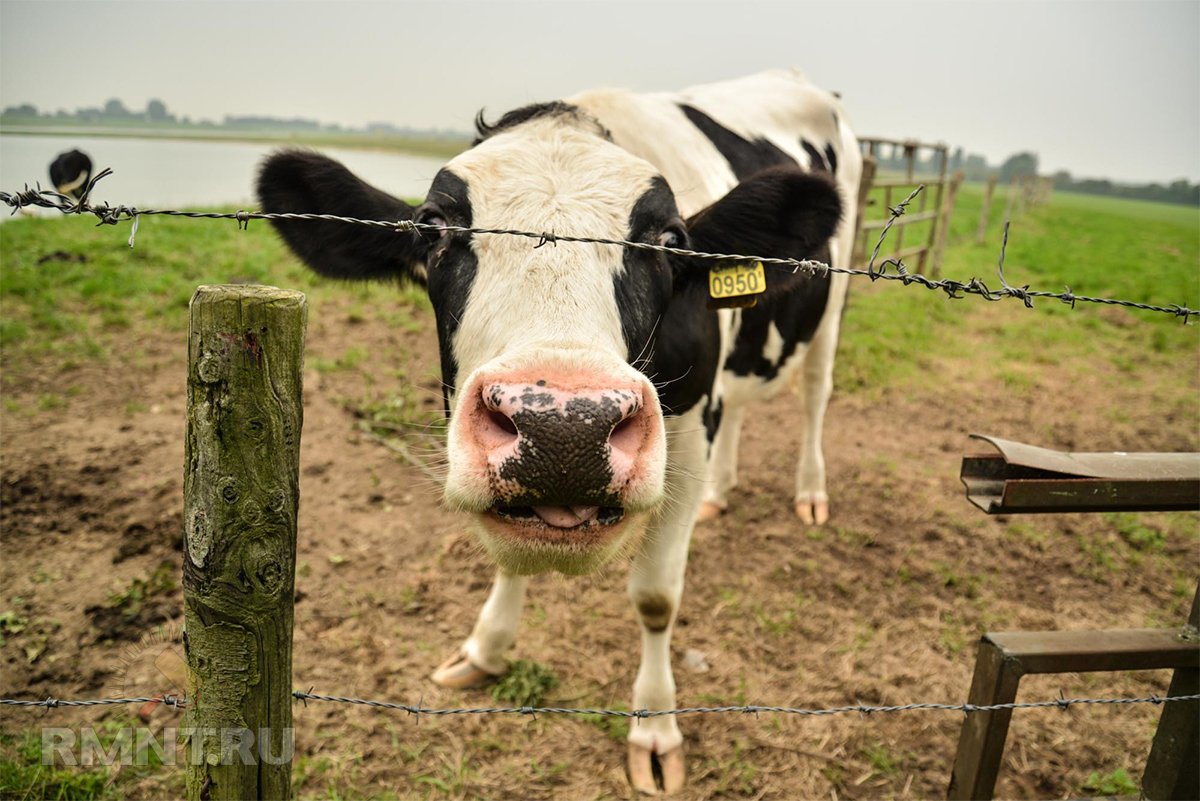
655 610
796 314
831 157
712 419
301 181
781 212
452 269
643 287
520 115
815 159
669 334
745 157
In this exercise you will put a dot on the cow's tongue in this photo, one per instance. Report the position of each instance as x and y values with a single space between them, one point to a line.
566 516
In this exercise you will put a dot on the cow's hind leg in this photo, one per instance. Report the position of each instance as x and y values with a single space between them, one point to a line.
482 656
812 500
723 465
656 587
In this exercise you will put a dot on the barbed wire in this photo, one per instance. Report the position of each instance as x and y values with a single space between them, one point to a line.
419 709
111 215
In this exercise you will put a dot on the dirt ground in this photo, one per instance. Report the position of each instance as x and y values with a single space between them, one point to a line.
883 606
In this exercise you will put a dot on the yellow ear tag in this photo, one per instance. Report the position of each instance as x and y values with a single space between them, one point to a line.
735 284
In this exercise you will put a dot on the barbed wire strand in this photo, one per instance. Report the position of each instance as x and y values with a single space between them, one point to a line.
418 709
111 215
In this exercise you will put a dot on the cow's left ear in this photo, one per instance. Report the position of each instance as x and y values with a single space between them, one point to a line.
302 181
781 212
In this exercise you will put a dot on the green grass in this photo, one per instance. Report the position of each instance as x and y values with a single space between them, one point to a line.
72 291
1100 247
525 684
23 776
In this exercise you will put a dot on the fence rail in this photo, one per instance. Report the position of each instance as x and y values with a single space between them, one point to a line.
888 269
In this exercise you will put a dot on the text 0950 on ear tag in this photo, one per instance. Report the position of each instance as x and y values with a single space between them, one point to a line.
735 284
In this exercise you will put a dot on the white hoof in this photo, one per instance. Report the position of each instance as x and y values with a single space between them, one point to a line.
815 513
709 511
670 775
458 673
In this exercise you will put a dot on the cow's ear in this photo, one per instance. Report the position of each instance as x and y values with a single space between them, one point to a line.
301 181
782 212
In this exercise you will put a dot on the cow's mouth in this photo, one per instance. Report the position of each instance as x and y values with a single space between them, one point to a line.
563 518
569 538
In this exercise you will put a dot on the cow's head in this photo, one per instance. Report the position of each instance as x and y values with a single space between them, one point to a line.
556 440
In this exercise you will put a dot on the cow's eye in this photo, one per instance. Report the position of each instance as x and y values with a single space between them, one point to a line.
672 237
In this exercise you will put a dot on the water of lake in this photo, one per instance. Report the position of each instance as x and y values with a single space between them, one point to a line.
171 173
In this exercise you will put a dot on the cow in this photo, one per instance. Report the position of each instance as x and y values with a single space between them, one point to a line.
69 172
590 389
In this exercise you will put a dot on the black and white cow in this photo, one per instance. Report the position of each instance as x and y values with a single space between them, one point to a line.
70 171
588 386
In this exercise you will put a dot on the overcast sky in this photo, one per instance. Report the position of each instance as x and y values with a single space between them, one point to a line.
1098 88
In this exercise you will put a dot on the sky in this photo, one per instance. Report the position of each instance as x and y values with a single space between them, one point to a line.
1102 89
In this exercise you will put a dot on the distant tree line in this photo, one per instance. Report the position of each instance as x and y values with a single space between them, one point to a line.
976 168
114 112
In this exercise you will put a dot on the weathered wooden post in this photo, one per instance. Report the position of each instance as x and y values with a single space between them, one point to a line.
942 235
241 493
870 165
985 210
1010 201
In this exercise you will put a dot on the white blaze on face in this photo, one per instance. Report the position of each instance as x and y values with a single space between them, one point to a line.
546 175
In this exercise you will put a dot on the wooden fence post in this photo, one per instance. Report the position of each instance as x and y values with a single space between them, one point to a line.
870 165
241 494
1010 201
985 210
943 224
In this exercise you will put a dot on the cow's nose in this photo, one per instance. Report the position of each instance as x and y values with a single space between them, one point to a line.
548 445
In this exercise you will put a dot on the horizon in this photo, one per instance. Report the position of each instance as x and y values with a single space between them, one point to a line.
1055 79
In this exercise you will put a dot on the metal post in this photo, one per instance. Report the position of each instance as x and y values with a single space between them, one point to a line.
981 743
241 495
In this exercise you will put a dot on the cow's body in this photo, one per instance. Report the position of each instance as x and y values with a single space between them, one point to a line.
589 388
705 140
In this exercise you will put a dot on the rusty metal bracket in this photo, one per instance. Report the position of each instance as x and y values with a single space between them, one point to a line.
1026 479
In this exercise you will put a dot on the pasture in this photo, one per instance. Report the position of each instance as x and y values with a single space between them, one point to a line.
882 606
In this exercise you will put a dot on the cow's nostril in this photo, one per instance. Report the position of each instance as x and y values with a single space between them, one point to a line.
626 435
502 423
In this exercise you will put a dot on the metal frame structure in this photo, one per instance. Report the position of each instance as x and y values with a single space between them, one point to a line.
1028 479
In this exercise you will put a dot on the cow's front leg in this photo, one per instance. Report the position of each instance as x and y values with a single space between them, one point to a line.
482 656
655 587
723 469
812 501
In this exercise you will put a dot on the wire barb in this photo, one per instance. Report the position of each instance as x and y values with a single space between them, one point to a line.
890 269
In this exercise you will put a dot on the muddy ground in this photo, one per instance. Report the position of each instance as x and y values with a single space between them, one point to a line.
882 606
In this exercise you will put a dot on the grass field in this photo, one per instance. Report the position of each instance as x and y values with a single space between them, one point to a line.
91 337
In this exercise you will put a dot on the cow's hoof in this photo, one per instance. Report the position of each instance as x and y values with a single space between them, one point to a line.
708 511
816 513
458 673
666 780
